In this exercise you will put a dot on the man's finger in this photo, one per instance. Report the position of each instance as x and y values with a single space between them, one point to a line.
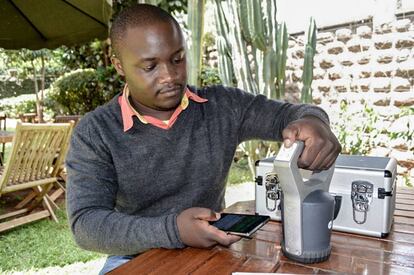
309 154
289 135
206 214
222 237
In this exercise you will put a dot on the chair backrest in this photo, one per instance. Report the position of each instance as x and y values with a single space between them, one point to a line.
29 117
3 127
37 152
3 118
67 118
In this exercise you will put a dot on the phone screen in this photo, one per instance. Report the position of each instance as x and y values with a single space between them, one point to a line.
240 224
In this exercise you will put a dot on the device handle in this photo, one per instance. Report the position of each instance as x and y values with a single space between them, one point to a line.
288 158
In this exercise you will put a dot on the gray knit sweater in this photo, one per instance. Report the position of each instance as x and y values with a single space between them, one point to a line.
125 189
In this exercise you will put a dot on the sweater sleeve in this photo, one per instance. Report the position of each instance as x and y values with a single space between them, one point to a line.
91 195
261 118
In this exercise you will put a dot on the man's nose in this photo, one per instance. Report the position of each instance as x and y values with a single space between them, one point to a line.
167 73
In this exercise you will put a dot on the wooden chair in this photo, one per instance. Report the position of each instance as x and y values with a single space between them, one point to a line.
62 175
38 150
3 127
29 118
67 118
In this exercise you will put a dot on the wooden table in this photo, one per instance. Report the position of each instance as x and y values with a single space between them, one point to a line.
351 253
6 136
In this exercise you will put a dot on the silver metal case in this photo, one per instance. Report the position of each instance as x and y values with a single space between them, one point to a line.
366 186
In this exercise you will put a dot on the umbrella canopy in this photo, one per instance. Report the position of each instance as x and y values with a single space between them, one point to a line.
36 24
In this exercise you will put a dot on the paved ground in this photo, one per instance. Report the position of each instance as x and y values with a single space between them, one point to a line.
234 193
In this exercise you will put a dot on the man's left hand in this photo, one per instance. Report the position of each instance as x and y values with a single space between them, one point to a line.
321 145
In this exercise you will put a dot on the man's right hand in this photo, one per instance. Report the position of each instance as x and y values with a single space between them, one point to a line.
195 230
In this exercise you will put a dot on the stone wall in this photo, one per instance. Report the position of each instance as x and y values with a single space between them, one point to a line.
369 75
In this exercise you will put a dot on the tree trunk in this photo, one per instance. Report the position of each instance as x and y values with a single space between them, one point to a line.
36 86
42 91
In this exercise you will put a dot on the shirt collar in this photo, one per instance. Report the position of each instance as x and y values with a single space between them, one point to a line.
128 112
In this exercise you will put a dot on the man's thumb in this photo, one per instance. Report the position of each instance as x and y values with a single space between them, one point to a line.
207 215
289 136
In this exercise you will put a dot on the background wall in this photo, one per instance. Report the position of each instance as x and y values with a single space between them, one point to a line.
364 79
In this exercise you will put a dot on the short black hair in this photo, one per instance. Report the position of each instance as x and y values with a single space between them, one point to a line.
137 15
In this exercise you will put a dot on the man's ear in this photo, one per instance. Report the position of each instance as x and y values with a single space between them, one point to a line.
118 66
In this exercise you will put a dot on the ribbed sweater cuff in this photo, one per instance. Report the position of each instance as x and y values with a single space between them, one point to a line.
172 231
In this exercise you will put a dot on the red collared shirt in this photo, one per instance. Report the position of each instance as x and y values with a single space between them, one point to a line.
128 112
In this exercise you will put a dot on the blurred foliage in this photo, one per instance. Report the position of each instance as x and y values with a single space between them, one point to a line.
12 87
209 76
19 104
355 137
28 106
239 172
83 90
74 92
20 64
407 135
91 55
209 40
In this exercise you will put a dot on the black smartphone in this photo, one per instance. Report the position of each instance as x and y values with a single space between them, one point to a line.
240 224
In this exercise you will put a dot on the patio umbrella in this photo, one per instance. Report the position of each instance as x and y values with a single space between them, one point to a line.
36 24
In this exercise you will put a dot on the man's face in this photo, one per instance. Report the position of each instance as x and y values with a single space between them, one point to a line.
152 59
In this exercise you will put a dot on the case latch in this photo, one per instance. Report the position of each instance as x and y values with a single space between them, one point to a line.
272 191
361 196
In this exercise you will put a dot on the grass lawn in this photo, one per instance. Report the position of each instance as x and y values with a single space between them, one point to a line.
41 244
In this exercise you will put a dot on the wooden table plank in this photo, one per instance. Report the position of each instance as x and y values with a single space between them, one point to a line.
258 265
405 201
406 196
181 264
363 242
404 206
340 263
147 261
403 227
263 249
404 213
294 268
6 136
223 262
405 220
374 255
405 190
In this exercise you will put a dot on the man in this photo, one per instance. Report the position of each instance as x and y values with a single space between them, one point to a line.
148 169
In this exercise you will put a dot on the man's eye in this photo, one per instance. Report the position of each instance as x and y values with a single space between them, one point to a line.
148 68
178 60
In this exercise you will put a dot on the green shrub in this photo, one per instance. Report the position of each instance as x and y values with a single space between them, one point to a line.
355 137
17 105
28 106
83 90
209 76
10 88
76 91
